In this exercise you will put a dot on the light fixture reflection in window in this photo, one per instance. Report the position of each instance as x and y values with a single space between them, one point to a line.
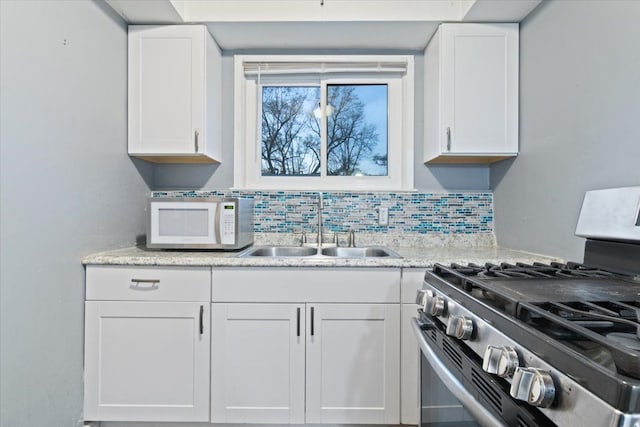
317 112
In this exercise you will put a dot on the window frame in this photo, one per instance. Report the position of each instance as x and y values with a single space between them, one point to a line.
400 123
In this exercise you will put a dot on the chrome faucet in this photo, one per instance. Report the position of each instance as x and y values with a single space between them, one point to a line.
351 238
320 206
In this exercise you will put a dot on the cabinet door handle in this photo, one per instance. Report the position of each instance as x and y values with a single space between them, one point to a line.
195 138
312 321
298 322
448 138
152 284
201 320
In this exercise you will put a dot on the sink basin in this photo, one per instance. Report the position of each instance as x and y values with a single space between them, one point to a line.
325 253
365 252
279 251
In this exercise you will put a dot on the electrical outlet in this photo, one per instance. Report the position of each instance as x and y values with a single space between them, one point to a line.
383 216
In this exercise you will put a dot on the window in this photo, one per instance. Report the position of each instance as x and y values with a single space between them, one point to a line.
306 122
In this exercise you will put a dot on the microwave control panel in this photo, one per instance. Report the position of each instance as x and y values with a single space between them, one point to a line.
228 223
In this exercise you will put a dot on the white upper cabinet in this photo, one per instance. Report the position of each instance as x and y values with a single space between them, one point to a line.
471 93
174 94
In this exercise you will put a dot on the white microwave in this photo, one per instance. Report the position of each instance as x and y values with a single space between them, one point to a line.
199 223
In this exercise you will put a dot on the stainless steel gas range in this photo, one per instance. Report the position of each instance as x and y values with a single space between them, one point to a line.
544 344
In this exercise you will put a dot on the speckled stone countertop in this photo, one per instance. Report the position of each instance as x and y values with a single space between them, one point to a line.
419 254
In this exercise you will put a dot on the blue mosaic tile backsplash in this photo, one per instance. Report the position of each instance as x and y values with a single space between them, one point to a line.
409 212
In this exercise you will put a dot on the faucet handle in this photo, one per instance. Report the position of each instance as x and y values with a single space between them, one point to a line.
303 238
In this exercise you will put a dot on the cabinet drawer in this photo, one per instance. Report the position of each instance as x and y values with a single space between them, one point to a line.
358 285
148 283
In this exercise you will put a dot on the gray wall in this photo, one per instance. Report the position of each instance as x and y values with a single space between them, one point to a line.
579 121
220 177
68 188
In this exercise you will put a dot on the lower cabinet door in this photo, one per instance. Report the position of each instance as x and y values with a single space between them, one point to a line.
257 363
146 361
353 363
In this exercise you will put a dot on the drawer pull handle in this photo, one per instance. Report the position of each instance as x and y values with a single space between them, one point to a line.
298 322
152 284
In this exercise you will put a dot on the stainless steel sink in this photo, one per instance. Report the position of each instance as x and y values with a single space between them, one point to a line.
365 252
326 253
279 251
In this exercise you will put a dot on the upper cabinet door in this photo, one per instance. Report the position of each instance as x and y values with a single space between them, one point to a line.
471 93
172 85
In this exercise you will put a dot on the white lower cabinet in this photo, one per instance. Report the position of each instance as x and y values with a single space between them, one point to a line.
346 354
242 345
146 359
296 361
258 363
353 363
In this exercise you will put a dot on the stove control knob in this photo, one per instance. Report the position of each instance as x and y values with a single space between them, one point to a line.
437 305
501 361
422 298
533 386
460 327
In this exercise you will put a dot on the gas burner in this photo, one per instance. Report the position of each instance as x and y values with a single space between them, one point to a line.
626 339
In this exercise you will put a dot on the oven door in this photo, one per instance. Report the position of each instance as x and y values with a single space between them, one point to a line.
443 398
438 406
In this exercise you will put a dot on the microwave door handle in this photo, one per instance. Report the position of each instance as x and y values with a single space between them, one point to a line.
217 225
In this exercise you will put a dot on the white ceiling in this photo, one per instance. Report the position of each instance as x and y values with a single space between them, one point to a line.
321 24
322 35
321 10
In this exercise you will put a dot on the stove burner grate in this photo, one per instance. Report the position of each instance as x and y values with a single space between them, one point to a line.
523 270
613 325
628 340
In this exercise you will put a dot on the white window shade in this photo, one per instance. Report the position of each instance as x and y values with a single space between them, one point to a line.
286 67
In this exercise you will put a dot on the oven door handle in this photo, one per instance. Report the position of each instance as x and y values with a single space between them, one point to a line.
481 415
